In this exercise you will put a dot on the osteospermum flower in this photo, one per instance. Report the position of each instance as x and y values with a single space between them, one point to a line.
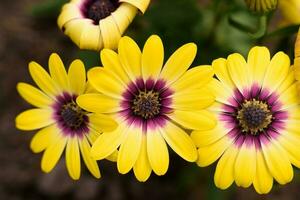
257 136
97 24
290 10
262 6
153 105
63 124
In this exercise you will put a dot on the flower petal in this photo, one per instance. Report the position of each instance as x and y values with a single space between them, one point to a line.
77 77
157 151
73 158
110 32
53 153
33 95
90 37
91 164
152 57
142 168
179 62
200 120
179 141
123 16
34 119
130 57
105 82
42 139
221 70
58 72
42 79
102 123
129 150
142 5
98 103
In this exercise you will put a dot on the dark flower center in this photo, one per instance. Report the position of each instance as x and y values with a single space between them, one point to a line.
254 116
146 104
100 9
72 115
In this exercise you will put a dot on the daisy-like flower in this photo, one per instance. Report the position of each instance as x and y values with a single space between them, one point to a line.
153 105
257 136
262 6
290 10
63 124
97 24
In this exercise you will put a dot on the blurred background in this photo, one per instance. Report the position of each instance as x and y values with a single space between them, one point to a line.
28 31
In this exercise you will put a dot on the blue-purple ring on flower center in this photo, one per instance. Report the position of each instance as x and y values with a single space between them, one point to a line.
146 103
253 116
71 119
99 9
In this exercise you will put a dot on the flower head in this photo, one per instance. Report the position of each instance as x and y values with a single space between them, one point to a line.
62 122
153 105
262 6
97 24
257 138
290 10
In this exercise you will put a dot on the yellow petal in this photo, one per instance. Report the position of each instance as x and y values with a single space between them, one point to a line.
289 98
152 57
33 95
209 154
197 77
53 153
222 93
258 61
102 123
108 142
42 139
42 79
196 99
123 16
204 138
180 142
221 71
142 169
69 11
245 164
200 120
142 5
113 157
291 144
157 151
110 32
111 62
34 119
287 82
239 71
129 150
277 71
277 161
130 57
263 181
73 158
77 77
224 171
90 38
58 72
179 62
104 81
90 163
98 103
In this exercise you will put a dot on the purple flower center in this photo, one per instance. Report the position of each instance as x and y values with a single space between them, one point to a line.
71 119
99 9
146 103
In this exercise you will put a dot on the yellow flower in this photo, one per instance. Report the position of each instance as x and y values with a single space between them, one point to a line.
257 136
290 10
62 122
262 6
153 105
98 24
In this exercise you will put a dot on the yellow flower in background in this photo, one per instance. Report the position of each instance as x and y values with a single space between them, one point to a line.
257 136
262 6
98 24
62 122
152 104
290 10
